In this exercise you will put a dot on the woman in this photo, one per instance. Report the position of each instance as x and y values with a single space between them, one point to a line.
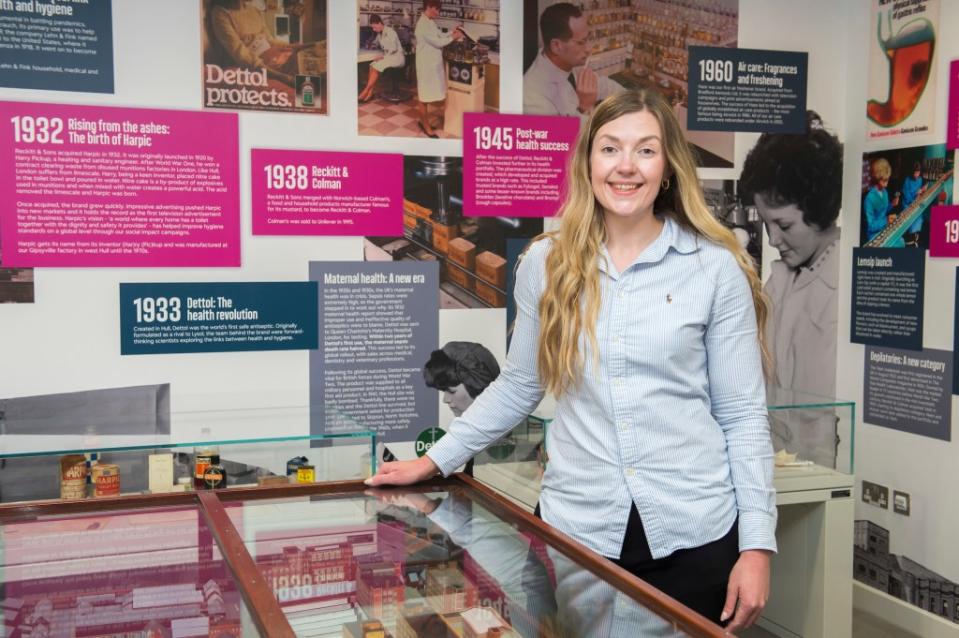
876 207
640 315
795 181
430 70
392 57
912 187
461 370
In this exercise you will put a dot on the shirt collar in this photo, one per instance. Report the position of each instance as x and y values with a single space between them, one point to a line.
553 72
826 269
671 236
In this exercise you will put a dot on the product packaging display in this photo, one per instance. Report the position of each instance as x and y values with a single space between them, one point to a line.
106 479
203 459
214 477
161 472
73 477
438 560
306 473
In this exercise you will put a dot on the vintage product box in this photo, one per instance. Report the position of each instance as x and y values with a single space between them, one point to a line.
462 252
490 295
484 622
106 480
73 477
416 210
442 234
161 472
491 268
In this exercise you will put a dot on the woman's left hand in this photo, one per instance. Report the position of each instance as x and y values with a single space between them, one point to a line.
748 589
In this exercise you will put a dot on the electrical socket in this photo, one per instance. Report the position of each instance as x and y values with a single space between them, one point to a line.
875 494
901 502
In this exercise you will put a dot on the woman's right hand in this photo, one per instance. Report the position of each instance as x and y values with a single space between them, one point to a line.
404 472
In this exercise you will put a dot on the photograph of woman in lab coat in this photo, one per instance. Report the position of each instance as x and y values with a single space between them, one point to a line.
389 43
430 69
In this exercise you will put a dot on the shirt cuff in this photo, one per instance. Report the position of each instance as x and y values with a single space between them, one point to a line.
448 454
757 530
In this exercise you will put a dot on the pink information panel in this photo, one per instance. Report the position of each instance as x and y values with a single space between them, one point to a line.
515 165
326 193
101 186
944 231
952 135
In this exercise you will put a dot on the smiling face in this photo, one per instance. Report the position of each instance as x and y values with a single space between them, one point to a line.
627 164
458 398
797 242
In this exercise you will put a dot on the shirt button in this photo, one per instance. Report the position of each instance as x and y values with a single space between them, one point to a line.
620 294
630 471
623 426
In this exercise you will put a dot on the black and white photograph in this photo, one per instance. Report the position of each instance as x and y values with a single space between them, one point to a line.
421 65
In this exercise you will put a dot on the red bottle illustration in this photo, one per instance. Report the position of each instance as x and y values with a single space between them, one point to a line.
910 63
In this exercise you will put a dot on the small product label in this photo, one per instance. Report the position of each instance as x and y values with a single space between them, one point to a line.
106 480
305 474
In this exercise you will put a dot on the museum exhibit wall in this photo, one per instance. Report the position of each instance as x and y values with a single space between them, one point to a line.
920 466
68 339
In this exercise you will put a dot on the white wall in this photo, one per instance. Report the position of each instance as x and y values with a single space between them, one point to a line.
923 467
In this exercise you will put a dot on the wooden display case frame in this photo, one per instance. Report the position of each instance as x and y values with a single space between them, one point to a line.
263 606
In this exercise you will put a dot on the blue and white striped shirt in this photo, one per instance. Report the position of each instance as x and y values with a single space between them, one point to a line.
672 419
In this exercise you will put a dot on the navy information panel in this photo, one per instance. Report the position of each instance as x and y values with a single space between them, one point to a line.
166 318
887 295
749 90
57 45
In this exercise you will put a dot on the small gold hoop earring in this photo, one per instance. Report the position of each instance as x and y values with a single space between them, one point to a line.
666 184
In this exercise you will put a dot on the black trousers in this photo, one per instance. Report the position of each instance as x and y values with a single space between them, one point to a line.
696 577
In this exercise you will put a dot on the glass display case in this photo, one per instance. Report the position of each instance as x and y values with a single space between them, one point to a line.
133 572
447 558
813 438
90 465
811 430
514 465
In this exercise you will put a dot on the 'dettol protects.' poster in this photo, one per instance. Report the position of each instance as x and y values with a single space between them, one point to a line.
902 81
268 55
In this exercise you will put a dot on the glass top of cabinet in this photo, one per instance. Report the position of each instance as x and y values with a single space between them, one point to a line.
429 563
778 398
149 572
188 429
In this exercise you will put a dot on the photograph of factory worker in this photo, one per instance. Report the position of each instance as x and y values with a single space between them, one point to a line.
912 187
430 69
560 82
795 182
644 318
876 206
388 42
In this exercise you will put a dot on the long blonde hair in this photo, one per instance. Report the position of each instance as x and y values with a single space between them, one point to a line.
569 306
